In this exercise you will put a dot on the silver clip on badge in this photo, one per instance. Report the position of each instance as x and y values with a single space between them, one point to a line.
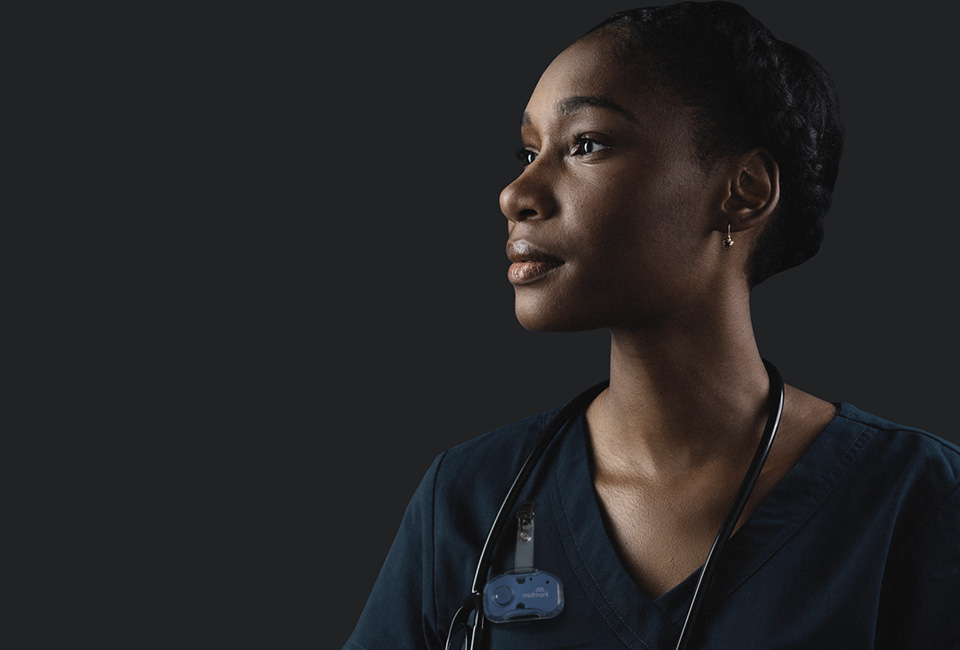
524 593
523 559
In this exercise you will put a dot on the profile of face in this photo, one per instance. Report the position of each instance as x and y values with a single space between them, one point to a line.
614 221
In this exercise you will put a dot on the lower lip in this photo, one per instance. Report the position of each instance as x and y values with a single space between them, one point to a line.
527 272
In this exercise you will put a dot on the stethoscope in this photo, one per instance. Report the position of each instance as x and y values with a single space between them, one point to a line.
471 616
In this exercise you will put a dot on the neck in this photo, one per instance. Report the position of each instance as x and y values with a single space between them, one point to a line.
681 401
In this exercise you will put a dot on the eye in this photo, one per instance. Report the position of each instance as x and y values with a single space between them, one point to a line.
587 145
525 156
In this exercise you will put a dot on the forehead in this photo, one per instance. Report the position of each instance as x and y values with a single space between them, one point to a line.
592 61
593 68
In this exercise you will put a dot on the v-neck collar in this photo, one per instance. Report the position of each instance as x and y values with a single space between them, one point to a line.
619 600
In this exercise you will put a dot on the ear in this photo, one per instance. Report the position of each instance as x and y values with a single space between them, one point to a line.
753 192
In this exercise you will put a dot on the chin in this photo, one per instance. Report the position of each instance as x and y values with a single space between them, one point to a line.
552 318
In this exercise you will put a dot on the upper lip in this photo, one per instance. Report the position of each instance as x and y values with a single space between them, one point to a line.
521 250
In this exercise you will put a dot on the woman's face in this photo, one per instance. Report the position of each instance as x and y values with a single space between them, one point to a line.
611 222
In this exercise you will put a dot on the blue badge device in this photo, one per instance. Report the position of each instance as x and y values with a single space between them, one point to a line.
524 593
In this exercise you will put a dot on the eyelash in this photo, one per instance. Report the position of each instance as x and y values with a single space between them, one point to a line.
581 140
523 154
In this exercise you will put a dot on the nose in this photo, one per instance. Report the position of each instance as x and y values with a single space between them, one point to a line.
528 197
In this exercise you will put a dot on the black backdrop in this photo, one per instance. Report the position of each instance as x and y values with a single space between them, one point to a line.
355 320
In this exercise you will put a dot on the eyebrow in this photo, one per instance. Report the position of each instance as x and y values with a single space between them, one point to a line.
575 103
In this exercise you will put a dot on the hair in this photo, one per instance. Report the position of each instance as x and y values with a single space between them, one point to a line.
748 90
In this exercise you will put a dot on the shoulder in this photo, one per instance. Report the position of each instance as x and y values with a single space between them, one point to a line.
489 461
903 447
911 475
908 484
474 470
501 443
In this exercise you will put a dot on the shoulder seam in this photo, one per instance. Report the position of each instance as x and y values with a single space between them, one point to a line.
882 424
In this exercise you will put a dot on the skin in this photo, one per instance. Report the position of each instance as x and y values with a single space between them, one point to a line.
615 191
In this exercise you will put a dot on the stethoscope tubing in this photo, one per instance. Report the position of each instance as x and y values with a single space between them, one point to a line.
473 604
775 410
513 494
549 432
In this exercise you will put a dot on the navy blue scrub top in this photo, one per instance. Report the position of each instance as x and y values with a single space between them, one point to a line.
858 546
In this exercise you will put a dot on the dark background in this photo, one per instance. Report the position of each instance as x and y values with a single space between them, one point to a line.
420 348
300 297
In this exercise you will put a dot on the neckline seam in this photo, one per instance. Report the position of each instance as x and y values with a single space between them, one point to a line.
580 567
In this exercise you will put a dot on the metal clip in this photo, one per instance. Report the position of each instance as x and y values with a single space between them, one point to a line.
523 559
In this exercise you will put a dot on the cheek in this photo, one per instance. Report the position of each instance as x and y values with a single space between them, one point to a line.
622 217
609 210
638 239
665 215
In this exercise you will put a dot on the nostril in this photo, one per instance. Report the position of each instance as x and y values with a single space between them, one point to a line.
528 197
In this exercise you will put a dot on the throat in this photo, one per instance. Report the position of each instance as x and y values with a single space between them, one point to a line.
661 537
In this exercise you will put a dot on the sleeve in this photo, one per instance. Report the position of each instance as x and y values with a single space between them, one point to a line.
400 613
926 613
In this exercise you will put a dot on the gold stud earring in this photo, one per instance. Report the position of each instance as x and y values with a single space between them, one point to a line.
728 242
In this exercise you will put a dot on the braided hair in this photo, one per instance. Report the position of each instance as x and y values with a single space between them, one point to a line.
748 89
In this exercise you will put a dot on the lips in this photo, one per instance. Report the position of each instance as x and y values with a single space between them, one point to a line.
530 262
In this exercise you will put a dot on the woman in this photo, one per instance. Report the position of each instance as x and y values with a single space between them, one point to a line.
675 158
